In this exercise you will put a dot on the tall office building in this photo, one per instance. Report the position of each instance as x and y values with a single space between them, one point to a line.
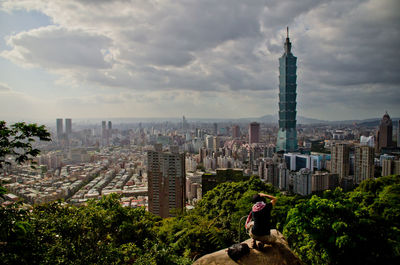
398 133
104 133
166 181
109 131
384 134
287 135
215 127
235 131
185 124
103 129
60 129
68 127
254 132
340 160
364 166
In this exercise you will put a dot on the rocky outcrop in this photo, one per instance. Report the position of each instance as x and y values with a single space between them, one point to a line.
276 254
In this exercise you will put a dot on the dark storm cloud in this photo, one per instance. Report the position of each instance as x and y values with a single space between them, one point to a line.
351 59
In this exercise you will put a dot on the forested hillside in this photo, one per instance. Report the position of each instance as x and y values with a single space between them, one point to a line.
359 227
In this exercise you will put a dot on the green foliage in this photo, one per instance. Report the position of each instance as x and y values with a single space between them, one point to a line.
359 227
17 141
2 192
283 205
228 202
103 232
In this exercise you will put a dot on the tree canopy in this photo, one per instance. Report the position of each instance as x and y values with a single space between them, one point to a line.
16 141
358 227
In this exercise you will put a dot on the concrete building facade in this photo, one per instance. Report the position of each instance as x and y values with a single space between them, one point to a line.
254 132
364 166
166 182
340 160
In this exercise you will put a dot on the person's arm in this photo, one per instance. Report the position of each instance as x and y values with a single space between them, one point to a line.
272 198
248 220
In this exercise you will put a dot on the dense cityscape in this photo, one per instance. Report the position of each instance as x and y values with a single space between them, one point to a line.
82 163
169 165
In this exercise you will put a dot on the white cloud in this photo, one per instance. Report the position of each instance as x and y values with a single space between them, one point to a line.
54 47
4 87
230 48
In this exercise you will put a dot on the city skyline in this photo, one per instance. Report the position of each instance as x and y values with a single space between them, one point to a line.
168 59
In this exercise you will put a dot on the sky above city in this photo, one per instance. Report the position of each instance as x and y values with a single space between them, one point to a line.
203 59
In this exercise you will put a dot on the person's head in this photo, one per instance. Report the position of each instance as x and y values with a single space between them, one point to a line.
258 198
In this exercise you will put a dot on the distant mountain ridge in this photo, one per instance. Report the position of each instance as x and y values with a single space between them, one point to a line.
305 120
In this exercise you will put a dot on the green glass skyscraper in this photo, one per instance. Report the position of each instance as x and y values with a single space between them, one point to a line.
287 135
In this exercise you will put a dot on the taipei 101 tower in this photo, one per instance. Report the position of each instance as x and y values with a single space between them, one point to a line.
287 135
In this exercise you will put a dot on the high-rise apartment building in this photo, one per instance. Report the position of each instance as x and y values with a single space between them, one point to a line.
364 166
283 175
384 134
321 181
302 183
68 127
235 131
369 141
166 181
287 135
60 129
340 160
209 142
109 125
390 166
216 143
254 132
387 167
396 169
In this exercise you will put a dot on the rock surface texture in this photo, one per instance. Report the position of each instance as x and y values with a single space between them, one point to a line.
276 254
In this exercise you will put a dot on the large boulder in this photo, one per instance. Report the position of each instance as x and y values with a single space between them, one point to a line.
276 254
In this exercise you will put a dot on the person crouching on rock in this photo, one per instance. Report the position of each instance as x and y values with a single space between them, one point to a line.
258 222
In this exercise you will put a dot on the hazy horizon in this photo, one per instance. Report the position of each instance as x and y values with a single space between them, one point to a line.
271 119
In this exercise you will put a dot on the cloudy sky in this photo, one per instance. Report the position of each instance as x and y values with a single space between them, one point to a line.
161 58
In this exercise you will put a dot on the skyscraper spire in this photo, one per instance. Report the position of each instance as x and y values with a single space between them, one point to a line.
288 44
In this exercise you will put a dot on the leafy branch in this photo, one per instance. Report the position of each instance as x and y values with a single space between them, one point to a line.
16 141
